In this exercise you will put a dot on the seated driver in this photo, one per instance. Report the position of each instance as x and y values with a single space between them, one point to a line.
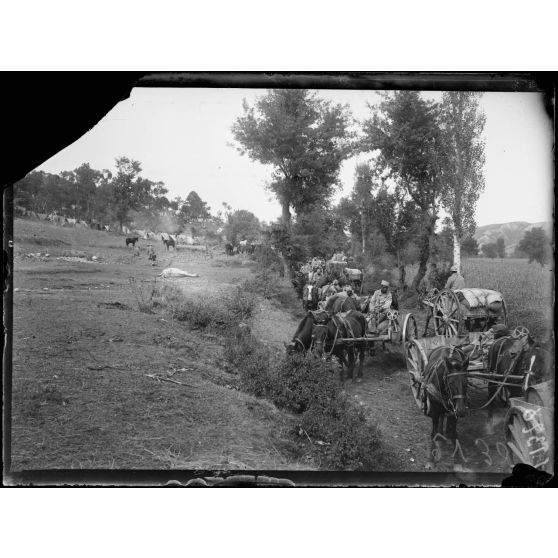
379 304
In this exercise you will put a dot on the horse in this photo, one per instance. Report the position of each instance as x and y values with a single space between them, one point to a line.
131 240
229 249
318 334
333 327
444 392
516 356
169 242
302 338
341 302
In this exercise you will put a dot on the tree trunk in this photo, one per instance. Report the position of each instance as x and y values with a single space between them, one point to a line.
402 273
424 250
457 252
286 267
363 232
286 214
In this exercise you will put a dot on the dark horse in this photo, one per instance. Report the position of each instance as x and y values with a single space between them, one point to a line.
319 333
444 391
131 240
169 242
516 356
340 302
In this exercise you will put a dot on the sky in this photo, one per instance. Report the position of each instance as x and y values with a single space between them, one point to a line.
183 138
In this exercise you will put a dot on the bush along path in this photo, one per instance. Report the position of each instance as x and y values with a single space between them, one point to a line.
327 421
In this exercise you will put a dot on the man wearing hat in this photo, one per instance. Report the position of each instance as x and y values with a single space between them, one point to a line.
151 256
380 303
455 280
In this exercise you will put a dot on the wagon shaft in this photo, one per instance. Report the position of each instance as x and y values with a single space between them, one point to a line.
488 376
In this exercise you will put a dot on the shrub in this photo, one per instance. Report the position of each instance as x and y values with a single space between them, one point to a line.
251 360
265 283
206 312
240 305
302 381
352 443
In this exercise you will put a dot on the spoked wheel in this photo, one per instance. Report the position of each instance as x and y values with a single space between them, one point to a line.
447 314
519 332
504 313
409 331
416 363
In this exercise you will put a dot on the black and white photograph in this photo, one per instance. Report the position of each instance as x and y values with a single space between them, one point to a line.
303 283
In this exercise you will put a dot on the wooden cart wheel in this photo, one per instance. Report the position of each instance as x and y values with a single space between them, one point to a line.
522 440
504 313
447 314
416 363
409 331
520 331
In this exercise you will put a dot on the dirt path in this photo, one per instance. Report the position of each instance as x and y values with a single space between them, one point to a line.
385 393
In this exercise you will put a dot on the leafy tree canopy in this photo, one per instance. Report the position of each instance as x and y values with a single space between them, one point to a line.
469 246
536 245
194 208
490 250
242 225
305 139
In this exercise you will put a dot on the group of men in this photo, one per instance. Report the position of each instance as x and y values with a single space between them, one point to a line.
374 307
151 255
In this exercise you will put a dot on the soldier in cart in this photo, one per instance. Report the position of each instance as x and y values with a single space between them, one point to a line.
378 305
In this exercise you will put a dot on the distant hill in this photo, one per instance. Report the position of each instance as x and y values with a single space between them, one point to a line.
512 233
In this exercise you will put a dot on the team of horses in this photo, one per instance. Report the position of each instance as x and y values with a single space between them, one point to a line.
445 375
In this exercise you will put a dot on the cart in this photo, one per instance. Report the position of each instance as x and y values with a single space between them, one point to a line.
462 311
397 334
476 346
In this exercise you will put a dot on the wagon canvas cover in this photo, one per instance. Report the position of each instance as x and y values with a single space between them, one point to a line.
478 298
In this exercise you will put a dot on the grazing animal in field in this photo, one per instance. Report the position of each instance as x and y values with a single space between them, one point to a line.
168 242
131 240
229 249
444 393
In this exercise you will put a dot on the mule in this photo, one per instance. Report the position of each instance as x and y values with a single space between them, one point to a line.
444 394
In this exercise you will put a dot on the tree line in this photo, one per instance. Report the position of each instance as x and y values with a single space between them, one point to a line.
126 198
420 159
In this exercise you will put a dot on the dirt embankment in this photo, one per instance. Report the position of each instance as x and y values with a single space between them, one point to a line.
86 362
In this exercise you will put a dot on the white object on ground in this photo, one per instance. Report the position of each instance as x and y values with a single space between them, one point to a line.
175 272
